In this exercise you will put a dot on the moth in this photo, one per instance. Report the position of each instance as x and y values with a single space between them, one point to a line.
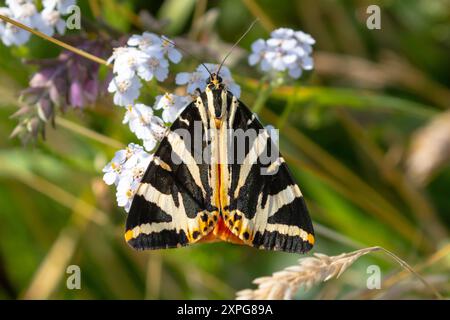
206 183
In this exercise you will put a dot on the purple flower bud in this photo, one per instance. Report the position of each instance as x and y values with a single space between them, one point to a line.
41 78
76 95
68 80
22 111
17 131
33 126
45 109
91 90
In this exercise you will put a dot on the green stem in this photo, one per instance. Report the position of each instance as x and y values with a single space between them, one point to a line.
264 93
288 109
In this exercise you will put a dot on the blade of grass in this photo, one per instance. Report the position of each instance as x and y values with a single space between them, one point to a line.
128 14
154 275
55 193
177 12
442 253
259 13
200 9
289 108
88 133
415 199
52 268
343 97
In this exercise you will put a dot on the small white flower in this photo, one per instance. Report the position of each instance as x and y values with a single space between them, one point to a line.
282 33
16 4
307 63
193 80
123 160
147 42
126 170
127 61
113 169
286 51
172 105
259 48
304 38
280 60
26 13
199 79
52 20
154 45
136 164
283 44
9 33
154 66
126 190
145 125
62 6
125 90
136 168
169 49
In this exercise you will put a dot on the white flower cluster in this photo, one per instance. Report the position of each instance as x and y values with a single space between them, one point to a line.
25 12
286 50
125 171
199 78
146 57
145 125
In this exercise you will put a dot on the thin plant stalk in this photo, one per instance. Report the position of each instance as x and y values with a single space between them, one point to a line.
313 270
91 134
264 92
55 41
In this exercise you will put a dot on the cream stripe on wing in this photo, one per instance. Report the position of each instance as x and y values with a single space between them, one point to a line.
202 111
233 109
211 111
250 159
179 147
273 204
287 230
167 204
180 221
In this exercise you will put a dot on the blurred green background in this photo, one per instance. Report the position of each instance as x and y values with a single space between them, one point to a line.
366 134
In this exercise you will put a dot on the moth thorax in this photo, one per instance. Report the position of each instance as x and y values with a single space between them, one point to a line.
219 101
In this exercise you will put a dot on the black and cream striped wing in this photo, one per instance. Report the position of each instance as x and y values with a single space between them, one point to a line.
265 206
172 205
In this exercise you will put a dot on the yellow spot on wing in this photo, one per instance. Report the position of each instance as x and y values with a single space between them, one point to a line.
310 238
128 235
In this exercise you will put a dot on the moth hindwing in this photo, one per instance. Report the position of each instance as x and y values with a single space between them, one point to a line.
210 180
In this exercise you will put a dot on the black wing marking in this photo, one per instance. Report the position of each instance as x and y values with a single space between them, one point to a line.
172 206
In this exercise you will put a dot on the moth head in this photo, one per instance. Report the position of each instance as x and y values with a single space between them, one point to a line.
215 82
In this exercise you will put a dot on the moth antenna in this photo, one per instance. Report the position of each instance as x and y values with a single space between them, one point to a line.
235 44
187 52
